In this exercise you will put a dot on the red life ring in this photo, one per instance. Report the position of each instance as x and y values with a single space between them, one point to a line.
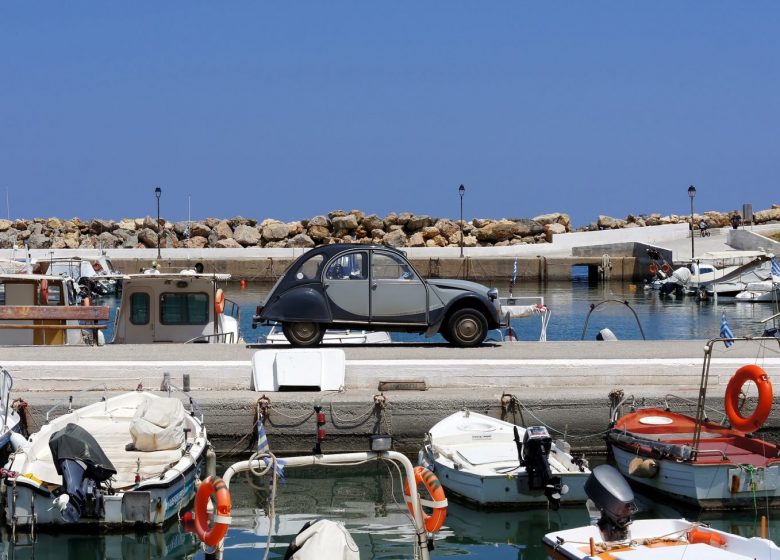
666 269
219 301
763 408
652 268
212 486
435 520
44 292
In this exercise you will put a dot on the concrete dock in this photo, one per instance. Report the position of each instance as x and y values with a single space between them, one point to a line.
564 385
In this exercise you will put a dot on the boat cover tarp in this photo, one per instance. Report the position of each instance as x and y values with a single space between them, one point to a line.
158 425
323 539
74 442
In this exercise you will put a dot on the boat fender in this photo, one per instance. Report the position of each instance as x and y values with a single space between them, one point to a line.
211 462
44 292
219 301
643 468
435 520
699 535
753 422
216 487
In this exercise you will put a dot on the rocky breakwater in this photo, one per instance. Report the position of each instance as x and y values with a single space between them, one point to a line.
396 230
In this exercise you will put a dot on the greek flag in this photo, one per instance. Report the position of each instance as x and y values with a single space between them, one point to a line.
514 271
262 438
725 331
775 267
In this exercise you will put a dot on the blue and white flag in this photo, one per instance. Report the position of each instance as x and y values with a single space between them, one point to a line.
725 331
514 271
262 438
775 267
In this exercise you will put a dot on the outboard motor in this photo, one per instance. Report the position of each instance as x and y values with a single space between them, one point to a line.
83 465
534 453
612 497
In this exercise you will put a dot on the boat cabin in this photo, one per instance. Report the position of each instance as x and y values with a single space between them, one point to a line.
175 307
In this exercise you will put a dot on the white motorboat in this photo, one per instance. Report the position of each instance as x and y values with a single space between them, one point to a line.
696 461
709 268
321 538
128 460
184 307
766 291
334 336
497 464
614 535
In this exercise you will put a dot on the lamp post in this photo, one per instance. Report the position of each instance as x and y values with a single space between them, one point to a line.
157 193
461 191
691 194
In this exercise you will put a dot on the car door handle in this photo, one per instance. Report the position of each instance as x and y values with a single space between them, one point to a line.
373 286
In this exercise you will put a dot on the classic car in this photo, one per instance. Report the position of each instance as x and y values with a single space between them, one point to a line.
375 287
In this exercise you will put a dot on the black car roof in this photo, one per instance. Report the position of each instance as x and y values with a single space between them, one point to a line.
330 250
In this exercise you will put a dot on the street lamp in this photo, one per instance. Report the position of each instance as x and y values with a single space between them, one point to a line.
461 191
157 193
691 194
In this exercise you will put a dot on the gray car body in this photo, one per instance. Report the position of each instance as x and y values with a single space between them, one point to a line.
305 293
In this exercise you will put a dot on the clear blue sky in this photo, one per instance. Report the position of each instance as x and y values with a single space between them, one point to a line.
292 109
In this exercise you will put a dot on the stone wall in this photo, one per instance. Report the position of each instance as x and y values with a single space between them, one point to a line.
396 230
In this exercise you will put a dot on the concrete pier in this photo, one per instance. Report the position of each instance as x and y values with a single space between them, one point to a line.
564 385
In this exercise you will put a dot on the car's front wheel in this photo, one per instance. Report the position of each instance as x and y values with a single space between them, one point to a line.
303 334
467 327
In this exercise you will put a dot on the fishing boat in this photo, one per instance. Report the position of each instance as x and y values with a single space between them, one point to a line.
183 307
40 309
129 460
501 465
614 535
321 538
697 461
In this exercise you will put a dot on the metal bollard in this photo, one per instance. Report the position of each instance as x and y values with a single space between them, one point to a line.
185 382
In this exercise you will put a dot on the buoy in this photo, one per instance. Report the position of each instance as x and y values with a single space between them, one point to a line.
753 422
243 283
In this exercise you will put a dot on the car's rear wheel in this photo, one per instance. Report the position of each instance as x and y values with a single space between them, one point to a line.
467 327
303 334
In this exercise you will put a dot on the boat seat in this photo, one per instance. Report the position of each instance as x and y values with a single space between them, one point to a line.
486 454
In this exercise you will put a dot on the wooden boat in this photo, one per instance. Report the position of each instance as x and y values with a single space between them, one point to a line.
129 460
615 536
497 464
699 462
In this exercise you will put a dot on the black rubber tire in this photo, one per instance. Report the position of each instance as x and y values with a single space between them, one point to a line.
467 327
303 334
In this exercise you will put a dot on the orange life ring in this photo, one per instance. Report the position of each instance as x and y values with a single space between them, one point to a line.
758 376
219 301
212 486
698 535
652 268
435 520
44 292
666 269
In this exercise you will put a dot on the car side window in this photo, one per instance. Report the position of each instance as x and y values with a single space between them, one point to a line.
351 266
390 267
308 270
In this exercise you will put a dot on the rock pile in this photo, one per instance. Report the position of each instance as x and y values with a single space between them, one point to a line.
396 230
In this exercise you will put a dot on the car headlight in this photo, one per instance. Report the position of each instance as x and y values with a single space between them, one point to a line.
493 294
